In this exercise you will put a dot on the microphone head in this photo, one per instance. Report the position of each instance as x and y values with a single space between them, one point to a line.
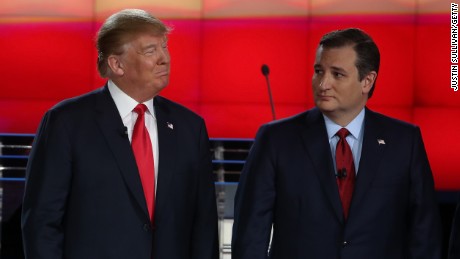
341 173
265 70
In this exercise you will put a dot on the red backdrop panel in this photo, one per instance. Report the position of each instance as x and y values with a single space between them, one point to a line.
234 50
439 128
432 66
46 61
216 72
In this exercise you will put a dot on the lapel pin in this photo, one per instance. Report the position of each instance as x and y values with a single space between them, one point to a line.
381 141
170 125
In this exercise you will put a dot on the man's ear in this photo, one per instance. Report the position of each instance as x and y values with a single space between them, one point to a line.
368 81
115 65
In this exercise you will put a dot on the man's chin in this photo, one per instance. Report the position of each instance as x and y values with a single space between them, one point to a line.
325 106
161 85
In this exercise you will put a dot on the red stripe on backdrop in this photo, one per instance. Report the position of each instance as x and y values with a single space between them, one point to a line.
216 72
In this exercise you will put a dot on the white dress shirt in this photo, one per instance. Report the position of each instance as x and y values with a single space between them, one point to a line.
354 139
125 105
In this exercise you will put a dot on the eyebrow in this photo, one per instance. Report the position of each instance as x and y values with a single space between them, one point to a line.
150 46
339 69
334 68
154 45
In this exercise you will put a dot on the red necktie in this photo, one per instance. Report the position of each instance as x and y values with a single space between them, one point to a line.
345 170
142 148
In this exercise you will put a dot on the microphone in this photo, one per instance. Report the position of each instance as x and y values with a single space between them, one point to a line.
124 132
265 72
341 173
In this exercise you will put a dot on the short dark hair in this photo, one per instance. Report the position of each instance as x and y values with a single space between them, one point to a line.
367 52
119 29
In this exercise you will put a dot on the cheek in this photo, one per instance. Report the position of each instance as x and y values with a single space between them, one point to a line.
167 56
148 65
355 94
315 81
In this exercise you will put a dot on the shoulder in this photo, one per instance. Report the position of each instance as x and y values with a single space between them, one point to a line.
76 110
69 114
387 122
288 126
75 104
398 131
307 117
176 110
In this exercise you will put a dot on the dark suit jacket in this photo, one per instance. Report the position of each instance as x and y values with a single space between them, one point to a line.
288 180
84 197
454 245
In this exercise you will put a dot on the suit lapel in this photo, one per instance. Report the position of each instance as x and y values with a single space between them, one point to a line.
315 139
371 155
112 128
167 143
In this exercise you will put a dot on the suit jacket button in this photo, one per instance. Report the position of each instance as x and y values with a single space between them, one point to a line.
147 227
344 243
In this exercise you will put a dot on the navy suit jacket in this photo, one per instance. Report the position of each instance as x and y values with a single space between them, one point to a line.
84 197
454 245
288 181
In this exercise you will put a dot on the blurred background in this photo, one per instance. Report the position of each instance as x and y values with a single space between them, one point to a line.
217 49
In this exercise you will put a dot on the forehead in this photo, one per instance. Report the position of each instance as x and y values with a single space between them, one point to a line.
145 39
336 56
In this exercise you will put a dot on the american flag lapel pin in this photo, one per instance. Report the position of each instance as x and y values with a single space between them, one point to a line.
170 125
381 141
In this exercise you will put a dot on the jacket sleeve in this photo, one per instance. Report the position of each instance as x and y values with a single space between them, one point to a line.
254 202
48 177
424 222
205 237
454 244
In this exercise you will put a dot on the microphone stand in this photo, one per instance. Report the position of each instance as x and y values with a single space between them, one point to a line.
265 72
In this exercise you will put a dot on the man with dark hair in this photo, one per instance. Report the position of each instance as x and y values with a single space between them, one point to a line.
122 172
338 180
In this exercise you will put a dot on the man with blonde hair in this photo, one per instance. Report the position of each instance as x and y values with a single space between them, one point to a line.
122 172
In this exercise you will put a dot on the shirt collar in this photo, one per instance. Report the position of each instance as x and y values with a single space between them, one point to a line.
125 104
354 127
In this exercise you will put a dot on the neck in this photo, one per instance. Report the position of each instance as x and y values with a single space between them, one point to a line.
139 94
343 119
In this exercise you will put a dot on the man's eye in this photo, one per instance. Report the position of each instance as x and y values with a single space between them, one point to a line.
338 75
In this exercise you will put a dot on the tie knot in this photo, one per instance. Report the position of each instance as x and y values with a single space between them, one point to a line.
140 109
342 133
